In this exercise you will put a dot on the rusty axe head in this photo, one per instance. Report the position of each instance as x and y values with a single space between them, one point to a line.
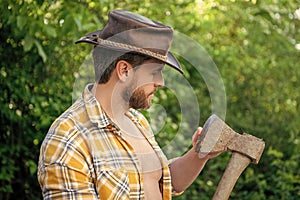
217 136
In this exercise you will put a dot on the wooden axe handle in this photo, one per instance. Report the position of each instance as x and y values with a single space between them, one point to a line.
234 169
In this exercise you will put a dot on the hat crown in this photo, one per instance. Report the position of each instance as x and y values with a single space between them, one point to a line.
122 20
136 30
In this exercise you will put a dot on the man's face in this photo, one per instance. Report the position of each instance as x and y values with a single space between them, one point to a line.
146 79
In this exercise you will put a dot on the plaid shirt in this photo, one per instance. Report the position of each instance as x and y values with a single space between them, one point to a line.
84 156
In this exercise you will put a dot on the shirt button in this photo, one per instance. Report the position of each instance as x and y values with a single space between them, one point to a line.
109 126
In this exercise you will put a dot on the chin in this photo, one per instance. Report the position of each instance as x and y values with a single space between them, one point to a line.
148 105
144 106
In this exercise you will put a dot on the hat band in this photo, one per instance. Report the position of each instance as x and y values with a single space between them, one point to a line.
133 48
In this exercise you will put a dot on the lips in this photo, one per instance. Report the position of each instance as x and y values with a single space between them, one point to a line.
152 94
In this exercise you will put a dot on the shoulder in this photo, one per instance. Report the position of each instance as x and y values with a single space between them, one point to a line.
69 120
66 132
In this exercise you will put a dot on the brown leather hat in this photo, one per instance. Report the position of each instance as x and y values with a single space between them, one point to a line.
127 31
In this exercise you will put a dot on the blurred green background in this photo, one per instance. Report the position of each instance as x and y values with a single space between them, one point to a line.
254 44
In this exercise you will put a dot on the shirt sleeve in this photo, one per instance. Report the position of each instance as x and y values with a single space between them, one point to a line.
63 182
65 170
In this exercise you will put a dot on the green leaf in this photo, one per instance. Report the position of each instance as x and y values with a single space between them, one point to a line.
28 42
21 22
78 23
88 26
32 166
40 50
50 31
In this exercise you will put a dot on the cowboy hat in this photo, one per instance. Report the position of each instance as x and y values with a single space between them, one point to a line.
127 31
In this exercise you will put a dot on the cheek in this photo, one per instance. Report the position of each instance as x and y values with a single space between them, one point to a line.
145 82
144 79
159 79
147 89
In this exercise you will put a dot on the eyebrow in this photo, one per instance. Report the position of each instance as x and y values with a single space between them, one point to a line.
155 66
158 68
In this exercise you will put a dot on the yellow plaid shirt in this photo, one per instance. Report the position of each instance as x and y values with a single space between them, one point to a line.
84 156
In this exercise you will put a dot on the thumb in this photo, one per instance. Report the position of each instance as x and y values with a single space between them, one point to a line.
196 134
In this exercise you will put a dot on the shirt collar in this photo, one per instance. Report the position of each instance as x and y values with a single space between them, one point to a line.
98 116
93 108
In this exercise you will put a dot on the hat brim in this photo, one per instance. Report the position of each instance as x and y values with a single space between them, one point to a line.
91 38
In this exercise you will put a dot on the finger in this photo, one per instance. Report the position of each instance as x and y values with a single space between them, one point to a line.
199 130
196 134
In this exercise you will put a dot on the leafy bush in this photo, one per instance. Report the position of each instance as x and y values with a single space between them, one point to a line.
254 44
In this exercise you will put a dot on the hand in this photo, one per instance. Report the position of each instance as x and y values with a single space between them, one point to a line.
200 155
195 136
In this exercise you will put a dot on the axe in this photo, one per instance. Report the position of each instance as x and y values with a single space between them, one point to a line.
217 137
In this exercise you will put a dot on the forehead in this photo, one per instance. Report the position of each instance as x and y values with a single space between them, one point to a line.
152 65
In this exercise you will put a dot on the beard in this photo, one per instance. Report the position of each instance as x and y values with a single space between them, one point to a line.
137 99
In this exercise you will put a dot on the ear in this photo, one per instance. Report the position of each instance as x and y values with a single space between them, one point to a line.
122 68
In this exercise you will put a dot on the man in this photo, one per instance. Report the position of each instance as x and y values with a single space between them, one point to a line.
102 147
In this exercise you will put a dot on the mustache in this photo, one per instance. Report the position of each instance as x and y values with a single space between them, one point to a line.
154 91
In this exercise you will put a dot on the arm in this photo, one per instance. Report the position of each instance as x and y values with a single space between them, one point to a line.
186 169
64 167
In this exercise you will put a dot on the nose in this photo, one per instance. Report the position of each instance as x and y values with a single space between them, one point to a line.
159 80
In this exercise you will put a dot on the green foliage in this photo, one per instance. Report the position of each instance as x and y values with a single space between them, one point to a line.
253 44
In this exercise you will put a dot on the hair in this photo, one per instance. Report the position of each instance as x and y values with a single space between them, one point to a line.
105 61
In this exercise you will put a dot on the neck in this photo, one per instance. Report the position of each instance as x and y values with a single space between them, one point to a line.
110 99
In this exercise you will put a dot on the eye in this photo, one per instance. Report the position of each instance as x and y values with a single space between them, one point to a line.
156 72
